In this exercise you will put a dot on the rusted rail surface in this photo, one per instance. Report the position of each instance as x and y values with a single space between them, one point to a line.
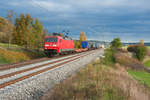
21 64
16 65
38 72
36 67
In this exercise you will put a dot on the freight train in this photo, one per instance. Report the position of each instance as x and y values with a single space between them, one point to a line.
90 45
57 45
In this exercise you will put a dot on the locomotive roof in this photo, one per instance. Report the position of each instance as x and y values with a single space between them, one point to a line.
65 38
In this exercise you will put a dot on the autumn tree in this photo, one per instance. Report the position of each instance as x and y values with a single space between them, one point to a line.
6 29
142 42
19 35
3 29
82 36
23 30
10 27
29 32
39 34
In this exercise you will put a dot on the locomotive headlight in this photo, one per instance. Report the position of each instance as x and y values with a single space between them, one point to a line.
54 45
46 45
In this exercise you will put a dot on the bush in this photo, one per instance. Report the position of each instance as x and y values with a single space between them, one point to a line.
109 56
77 44
128 61
132 48
116 43
139 51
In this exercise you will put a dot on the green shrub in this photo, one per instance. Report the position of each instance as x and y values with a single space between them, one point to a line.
116 43
109 56
77 44
139 51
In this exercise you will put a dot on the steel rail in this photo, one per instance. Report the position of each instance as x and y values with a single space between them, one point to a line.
38 72
36 67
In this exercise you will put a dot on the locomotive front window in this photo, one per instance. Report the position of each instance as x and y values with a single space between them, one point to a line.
51 40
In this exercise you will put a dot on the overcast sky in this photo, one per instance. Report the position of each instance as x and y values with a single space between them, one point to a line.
100 19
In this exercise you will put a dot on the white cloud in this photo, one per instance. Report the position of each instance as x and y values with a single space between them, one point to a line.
110 6
120 15
51 6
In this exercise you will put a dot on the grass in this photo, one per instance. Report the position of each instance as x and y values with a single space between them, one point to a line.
5 45
148 47
3 61
17 54
125 47
7 56
141 76
91 83
13 47
109 57
147 63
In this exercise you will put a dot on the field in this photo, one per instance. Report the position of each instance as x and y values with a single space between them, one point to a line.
148 47
125 47
141 76
147 63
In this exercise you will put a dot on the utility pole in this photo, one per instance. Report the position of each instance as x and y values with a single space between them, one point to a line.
57 28
103 33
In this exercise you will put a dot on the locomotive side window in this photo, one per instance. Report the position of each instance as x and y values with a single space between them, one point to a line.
51 40
60 41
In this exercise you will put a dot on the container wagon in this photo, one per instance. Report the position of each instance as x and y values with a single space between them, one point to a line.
84 44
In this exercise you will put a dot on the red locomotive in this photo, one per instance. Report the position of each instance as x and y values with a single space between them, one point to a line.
58 45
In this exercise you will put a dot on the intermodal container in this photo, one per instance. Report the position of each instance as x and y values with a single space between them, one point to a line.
84 44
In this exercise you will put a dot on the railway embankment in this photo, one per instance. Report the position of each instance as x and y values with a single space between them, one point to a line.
28 84
115 77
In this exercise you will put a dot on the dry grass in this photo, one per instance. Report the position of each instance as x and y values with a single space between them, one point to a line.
134 88
12 57
95 82
128 61
99 82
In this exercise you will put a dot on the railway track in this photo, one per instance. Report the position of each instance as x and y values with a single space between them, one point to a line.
17 74
20 64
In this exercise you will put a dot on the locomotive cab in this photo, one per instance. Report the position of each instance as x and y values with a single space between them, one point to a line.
57 45
52 44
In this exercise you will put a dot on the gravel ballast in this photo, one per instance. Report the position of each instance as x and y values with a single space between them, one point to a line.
35 87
